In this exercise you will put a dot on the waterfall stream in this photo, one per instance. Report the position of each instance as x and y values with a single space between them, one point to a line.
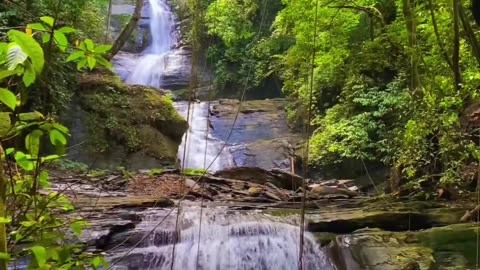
148 68
228 240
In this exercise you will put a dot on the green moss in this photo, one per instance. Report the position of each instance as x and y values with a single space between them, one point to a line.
69 165
138 118
154 172
194 172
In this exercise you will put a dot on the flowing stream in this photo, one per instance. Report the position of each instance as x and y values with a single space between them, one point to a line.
226 240
202 151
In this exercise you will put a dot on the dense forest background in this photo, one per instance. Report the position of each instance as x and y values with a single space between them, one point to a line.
394 83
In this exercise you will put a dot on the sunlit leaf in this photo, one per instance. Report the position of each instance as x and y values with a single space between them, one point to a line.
103 48
61 40
89 44
40 255
75 56
8 98
67 30
56 137
48 20
30 46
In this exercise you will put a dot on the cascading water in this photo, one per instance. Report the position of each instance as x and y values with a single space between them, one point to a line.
230 240
149 67
198 146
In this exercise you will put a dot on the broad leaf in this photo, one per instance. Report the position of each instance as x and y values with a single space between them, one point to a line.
29 75
67 30
103 48
61 128
31 116
91 62
37 26
40 255
5 124
24 161
43 179
75 55
15 56
4 220
46 38
81 64
56 137
4 256
61 40
90 45
30 46
104 62
32 142
7 73
48 20
8 98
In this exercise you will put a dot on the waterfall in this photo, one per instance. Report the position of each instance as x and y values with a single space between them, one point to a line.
201 148
232 240
150 65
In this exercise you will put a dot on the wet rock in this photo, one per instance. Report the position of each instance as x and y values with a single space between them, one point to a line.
319 191
449 247
279 178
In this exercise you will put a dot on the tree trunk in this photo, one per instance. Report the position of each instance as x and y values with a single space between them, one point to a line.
472 39
127 30
456 46
109 17
409 14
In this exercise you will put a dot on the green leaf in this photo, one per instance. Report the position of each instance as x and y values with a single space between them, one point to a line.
15 56
91 62
50 157
40 255
90 45
43 179
48 20
4 256
46 38
61 40
81 64
5 124
7 73
56 137
27 224
8 98
77 227
104 62
75 55
61 128
103 48
37 26
4 220
30 46
67 30
32 142
29 75
24 161
31 116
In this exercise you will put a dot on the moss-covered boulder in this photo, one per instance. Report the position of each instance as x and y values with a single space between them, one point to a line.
117 124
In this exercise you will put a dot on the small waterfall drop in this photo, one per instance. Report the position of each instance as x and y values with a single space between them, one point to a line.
150 65
230 240
201 148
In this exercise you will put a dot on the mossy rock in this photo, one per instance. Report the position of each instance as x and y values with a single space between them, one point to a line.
127 120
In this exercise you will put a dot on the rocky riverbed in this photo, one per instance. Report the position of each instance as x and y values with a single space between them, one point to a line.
354 232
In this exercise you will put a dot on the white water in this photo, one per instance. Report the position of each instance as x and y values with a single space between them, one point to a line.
201 148
150 65
228 241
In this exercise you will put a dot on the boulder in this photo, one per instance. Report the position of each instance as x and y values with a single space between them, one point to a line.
117 124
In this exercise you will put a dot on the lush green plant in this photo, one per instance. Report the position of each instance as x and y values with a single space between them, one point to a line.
33 223
194 172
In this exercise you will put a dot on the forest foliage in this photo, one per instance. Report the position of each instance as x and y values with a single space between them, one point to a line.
394 81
